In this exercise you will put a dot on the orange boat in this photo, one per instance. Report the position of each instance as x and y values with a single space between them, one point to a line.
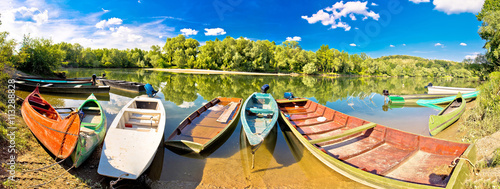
58 135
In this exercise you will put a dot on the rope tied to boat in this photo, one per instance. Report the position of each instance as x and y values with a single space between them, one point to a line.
36 186
33 170
254 149
66 131
113 182
454 163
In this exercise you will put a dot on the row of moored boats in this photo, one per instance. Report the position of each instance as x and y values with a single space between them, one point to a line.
366 152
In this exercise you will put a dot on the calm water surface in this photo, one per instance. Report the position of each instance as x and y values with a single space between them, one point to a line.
282 161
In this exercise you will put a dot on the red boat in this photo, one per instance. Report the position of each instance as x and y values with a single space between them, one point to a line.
58 135
373 154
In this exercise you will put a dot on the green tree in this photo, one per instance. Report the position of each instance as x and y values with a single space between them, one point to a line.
490 31
39 56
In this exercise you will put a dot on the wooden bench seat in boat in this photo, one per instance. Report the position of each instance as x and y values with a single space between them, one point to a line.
345 133
141 111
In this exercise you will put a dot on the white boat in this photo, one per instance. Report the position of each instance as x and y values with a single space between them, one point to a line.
448 90
133 138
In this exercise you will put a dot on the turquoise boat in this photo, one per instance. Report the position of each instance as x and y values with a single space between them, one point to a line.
45 81
447 100
259 117
92 130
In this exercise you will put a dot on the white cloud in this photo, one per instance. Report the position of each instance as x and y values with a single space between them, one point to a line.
188 31
458 6
391 46
139 1
374 4
420 1
104 10
463 44
352 45
186 105
404 45
49 21
438 44
472 56
214 31
295 38
110 22
352 16
333 15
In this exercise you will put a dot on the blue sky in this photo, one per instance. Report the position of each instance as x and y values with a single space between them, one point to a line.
434 29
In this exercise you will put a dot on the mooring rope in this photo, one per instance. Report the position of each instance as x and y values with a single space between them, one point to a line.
113 182
25 171
454 163
36 186
253 153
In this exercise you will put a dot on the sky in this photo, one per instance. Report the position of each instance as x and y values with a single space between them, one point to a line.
433 29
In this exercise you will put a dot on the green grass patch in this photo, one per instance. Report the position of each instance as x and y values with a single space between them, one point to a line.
483 119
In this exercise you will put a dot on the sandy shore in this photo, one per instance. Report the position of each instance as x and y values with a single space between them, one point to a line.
200 71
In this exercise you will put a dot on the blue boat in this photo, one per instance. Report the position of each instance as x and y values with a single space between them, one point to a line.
259 117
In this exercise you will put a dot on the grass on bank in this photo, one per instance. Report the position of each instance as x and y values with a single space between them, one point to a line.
484 119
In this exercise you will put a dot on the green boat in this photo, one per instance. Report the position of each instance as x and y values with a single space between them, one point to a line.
207 128
259 117
428 99
92 130
447 116
402 99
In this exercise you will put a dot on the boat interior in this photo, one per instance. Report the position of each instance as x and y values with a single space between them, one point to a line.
42 107
374 148
259 113
91 117
141 116
454 105
206 122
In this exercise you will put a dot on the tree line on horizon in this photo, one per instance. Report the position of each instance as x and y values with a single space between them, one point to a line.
41 56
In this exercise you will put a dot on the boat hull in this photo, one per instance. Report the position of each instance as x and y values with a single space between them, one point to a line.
201 132
58 135
447 116
62 89
91 134
133 139
449 90
124 85
258 117
364 155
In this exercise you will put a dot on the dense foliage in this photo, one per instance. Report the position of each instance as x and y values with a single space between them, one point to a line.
41 56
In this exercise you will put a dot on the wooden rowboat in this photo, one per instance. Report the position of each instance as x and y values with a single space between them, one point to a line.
58 135
375 155
425 101
259 117
124 85
133 139
44 81
448 90
212 123
402 99
61 88
92 129
447 116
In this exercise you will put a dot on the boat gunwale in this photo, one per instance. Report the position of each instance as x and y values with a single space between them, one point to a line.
209 143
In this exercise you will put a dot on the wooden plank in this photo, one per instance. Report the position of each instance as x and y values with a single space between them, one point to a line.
142 123
345 133
225 115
